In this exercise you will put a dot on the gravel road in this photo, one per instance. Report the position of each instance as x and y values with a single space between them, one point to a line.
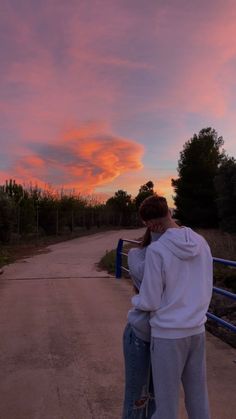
61 325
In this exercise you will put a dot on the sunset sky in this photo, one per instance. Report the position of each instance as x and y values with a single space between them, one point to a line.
101 95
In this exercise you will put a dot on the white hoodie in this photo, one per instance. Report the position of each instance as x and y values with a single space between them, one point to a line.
177 284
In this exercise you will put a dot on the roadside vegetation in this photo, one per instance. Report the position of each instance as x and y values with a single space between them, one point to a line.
108 262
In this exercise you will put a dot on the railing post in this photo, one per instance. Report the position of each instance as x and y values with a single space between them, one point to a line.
119 258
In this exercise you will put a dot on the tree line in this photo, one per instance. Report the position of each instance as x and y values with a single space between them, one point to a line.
33 212
204 196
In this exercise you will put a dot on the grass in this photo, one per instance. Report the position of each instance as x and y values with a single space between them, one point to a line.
223 245
108 262
4 257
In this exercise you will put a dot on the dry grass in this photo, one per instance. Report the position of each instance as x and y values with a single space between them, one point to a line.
223 245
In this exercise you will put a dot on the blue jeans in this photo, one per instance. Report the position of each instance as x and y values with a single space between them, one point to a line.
138 401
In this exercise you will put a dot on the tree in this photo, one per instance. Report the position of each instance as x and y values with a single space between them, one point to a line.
195 194
23 204
121 205
14 190
144 191
225 184
7 216
49 213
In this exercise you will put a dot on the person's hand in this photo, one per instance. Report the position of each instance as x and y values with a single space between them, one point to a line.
157 227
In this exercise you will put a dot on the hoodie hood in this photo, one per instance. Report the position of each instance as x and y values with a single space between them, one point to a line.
155 236
183 242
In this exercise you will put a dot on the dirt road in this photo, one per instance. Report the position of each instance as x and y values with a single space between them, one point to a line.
61 324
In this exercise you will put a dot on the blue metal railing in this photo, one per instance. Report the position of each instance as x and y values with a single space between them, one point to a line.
225 293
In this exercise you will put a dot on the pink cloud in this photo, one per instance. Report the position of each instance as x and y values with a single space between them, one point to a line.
82 159
203 76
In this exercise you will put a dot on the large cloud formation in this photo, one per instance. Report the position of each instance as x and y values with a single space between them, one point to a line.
157 71
82 159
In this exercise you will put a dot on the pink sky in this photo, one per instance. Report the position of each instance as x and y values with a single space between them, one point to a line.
101 95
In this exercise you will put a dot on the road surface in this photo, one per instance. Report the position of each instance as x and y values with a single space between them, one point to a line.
61 325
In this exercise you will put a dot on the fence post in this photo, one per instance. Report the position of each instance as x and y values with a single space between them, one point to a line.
119 259
57 221
37 220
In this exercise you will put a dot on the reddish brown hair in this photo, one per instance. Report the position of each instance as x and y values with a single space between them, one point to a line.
153 207
147 238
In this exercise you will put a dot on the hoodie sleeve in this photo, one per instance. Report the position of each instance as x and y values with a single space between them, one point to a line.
149 297
136 260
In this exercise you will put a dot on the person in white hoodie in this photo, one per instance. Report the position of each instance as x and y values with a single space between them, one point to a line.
176 290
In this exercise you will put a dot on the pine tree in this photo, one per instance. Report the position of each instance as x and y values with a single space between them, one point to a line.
225 184
195 194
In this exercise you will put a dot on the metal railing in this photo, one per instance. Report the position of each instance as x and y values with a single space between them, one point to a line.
225 293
